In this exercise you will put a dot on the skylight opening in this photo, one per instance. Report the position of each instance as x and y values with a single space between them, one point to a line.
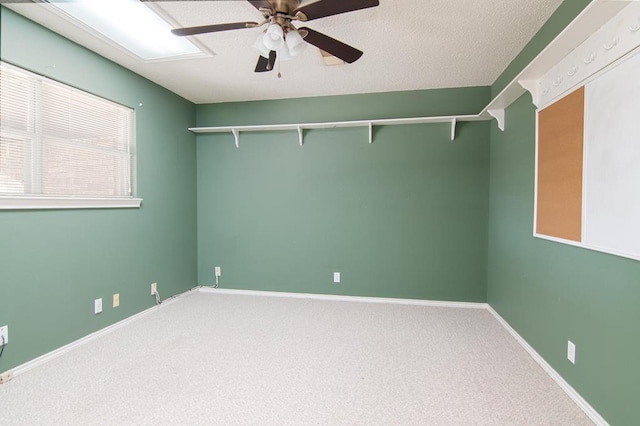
130 24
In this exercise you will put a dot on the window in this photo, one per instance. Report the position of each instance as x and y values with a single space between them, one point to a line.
61 147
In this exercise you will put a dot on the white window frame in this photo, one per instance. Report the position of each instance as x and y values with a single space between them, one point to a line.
30 201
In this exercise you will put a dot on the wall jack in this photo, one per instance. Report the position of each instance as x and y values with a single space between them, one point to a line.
218 272
154 292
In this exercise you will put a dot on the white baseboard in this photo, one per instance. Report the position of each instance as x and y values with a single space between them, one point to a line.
566 387
23 368
339 298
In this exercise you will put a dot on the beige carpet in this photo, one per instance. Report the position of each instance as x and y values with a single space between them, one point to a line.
208 359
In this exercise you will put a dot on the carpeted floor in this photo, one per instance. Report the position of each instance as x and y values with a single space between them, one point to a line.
208 359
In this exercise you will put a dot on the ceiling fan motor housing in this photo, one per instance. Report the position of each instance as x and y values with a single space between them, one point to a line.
284 6
282 11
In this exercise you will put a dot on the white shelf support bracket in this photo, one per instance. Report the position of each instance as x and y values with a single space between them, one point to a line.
498 114
453 129
370 132
236 136
530 86
300 136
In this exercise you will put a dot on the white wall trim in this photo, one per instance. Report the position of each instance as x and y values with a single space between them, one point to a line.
566 387
43 359
339 298
29 203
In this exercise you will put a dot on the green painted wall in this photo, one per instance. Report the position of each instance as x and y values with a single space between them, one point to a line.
404 217
54 263
414 215
551 292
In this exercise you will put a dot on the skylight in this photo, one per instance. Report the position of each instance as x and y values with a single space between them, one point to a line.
130 24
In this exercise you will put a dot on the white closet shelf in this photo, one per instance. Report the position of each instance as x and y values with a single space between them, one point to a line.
594 16
300 128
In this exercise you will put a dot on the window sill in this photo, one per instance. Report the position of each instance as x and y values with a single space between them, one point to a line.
40 203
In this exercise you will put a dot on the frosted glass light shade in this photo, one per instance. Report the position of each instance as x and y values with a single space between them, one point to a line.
260 46
284 54
274 37
295 43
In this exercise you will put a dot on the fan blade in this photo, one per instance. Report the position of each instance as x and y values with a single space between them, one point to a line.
265 64
213 28
323 8
258 4
331 45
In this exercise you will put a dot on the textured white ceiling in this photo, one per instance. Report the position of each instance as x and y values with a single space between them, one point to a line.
408 45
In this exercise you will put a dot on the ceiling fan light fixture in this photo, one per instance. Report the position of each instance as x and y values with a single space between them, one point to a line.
273 39
295 43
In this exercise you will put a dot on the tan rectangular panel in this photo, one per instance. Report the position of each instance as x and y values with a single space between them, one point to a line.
560 156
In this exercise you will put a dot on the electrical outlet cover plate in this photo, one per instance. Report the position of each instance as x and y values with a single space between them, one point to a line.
4 332
154 288
97 306
336 277
571 351
116 300
218 271
6 377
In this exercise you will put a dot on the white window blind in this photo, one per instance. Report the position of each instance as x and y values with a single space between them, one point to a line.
57 141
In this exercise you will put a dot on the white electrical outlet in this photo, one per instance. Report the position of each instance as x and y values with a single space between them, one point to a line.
218 273
571 351
97 306
154 288
336 277
4 335
116 300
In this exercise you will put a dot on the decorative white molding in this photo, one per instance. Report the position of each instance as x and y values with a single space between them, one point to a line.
32 203
594 16
566 387
358 299
615 39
